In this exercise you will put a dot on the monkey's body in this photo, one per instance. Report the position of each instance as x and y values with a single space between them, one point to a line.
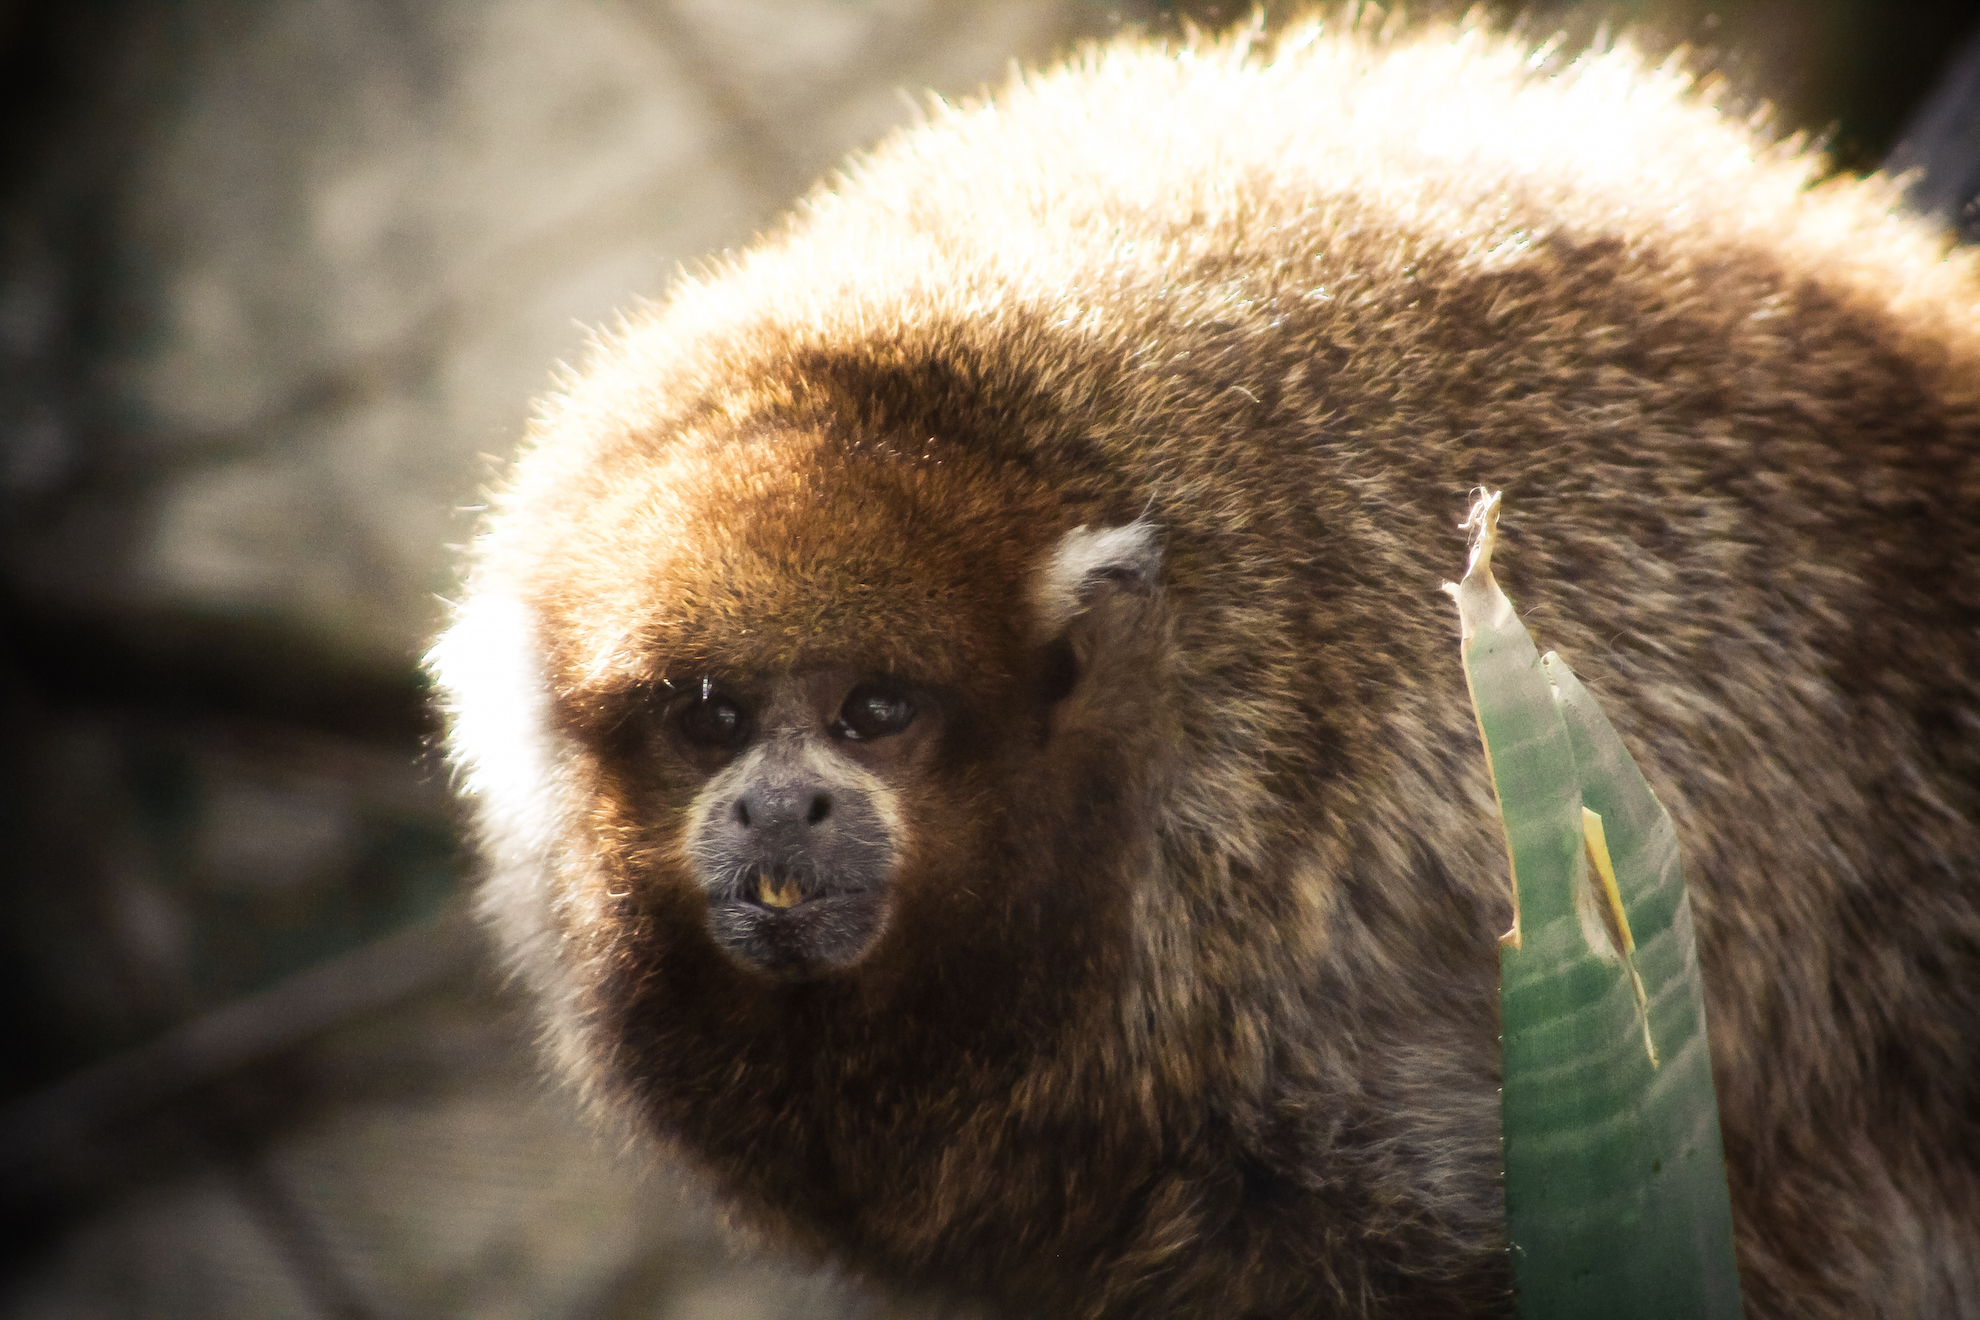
1163 979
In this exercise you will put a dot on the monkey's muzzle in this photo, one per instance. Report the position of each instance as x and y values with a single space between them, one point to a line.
795 866
795 925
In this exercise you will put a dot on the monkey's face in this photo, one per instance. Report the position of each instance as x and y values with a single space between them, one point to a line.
796 831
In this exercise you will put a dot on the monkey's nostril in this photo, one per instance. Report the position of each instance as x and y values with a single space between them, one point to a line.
742 813
821 807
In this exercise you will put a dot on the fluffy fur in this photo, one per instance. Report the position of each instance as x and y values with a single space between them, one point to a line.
1185 1002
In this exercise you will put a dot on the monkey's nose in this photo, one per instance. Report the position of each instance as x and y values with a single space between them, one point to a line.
782 806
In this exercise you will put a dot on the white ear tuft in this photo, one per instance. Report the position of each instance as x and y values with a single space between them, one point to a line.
1089 558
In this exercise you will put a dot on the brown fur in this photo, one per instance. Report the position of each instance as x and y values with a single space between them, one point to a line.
1185 1004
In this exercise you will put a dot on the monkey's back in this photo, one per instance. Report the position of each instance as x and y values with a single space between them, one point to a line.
1289 307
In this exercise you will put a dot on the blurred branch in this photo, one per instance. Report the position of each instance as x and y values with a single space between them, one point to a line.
44 1133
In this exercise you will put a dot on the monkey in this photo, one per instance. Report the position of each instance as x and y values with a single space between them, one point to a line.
969 754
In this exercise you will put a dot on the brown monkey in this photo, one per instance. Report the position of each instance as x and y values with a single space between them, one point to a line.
969 749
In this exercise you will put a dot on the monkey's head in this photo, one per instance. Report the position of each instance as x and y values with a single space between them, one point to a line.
795 682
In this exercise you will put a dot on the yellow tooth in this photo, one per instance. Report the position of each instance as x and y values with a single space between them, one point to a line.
780 895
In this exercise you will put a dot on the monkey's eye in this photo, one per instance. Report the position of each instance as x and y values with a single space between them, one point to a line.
714 721
873 711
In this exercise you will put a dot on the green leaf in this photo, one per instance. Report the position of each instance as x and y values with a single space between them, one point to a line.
1616 1202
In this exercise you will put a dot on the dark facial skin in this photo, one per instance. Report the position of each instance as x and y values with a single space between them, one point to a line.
797 827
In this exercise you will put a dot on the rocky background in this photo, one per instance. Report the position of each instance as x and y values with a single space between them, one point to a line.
278 280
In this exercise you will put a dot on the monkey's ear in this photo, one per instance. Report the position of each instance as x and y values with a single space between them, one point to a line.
1091 599
1090 564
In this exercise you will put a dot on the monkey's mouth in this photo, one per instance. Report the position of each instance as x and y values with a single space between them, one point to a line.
778 891
796 925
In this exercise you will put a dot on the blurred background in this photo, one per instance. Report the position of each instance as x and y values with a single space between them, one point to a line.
278 280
